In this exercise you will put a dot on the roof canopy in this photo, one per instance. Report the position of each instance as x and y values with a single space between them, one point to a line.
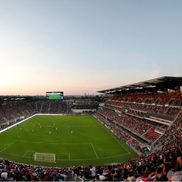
158 84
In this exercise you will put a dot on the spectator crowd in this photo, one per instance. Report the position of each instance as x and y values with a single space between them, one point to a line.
153 120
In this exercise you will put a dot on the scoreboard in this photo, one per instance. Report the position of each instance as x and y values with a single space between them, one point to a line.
55 95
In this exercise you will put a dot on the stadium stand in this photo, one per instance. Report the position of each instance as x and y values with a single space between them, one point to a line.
146 115
14 109
146 111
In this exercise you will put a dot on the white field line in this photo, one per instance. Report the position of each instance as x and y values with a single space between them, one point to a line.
94 151
41 114
16 124
38 114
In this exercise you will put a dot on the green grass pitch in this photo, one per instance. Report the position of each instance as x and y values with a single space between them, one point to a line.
74 139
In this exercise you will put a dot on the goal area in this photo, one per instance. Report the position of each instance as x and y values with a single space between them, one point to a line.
45 157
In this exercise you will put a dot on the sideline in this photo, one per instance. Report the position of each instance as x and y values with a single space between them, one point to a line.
38 114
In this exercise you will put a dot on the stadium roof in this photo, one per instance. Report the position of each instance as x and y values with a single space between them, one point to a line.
158 84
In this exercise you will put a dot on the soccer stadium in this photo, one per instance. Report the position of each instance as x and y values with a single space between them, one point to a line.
137 123
90 90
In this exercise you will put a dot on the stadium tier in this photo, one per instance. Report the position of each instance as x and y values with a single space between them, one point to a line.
147 116
145 112
14 109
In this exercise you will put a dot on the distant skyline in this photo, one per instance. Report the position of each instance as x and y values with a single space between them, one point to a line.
81 47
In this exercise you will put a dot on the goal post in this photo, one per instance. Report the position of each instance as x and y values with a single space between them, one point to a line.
45 157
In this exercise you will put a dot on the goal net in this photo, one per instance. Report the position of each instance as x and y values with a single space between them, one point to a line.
44 157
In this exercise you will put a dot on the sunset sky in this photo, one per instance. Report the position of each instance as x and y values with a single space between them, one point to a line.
82 46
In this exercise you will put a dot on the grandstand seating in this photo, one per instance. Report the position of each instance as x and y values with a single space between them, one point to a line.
14 111
143 118
152 120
